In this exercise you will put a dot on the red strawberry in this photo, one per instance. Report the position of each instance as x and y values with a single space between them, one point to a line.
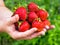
32 7
47 23
22 13
32 16
42 14
24 26
38 25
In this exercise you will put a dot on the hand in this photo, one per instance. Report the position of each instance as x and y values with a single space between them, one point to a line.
7 25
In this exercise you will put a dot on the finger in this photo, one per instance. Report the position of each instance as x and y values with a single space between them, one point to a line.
13 19
47 27
51 27
17 35
33 35
36 34
44 30
31 31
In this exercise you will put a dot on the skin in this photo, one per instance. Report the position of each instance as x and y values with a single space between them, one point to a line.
7 25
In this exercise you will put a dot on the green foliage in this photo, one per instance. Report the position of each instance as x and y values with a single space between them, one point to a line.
51 37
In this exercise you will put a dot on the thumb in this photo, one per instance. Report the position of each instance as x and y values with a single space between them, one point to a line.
13 19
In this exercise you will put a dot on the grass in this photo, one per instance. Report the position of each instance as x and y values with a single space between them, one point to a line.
52 37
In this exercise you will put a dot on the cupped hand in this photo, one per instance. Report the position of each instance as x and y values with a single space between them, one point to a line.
7 25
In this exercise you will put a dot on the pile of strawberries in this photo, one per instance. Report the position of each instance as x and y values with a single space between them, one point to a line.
33 17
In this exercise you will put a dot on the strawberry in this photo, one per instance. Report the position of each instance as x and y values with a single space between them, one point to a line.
46 22
42 14
38 25
22 13
24 26
32 16
32 7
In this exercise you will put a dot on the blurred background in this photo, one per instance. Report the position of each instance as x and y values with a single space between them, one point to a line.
52 37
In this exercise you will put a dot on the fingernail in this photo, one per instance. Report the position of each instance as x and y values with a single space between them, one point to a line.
48 15
47 27
44 30
52 26
17 16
